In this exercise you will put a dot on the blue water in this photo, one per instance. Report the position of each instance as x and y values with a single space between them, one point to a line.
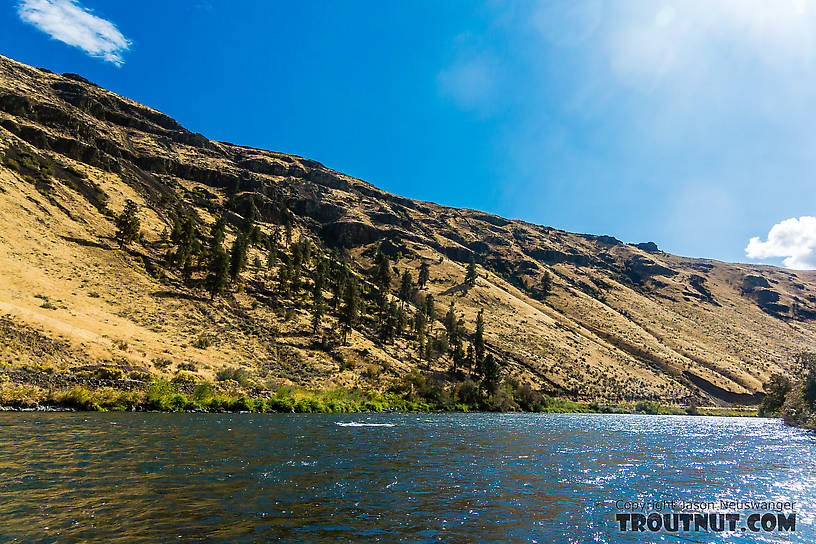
148 478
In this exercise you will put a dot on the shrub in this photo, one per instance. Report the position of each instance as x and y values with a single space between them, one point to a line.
109 373
139 376
11 163
776 390
162 396
162 363
235 374
203 391
202 342
184 378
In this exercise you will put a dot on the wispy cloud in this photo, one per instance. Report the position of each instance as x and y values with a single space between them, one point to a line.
70 22
470 82
794 239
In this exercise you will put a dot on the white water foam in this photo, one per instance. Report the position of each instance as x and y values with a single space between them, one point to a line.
358 424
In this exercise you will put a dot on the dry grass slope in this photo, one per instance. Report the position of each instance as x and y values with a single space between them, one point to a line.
622 322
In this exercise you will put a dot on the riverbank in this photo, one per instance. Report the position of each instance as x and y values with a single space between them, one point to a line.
103 388
164 396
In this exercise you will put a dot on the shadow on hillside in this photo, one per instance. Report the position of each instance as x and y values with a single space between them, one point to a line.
461 288
174 294
86 243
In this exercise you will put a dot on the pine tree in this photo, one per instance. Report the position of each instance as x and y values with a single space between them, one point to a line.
218 275
321 270
406 288
284 288
318 306
238 256
389 324
287 229
421 348
492 373
546 283
458 356
478 341
351 308
420 323
127 224
470 274
382 276
402 320
184 236
469 357
217 234
338 283
424 275
430 310
233 194
271 256
451 323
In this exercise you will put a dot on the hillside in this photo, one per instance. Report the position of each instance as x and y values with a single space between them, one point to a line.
620 322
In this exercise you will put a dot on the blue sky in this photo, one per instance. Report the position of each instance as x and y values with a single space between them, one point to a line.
690 123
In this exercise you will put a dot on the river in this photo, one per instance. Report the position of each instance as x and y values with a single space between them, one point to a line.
152 477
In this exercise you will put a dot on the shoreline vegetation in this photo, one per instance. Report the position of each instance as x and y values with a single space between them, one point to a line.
112 389
793 400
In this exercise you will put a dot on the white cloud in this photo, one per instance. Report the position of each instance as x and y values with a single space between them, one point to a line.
71 23
794 239
470 82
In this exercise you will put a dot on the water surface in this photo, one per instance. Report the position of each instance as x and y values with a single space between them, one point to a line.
149 477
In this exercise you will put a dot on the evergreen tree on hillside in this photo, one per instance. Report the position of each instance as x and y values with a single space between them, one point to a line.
238 256
318 306
492 373
458 356
271 255
185 238
339 278
421 348
430 309
127 224
218 273
320 273
287 230
351 308
451 323
389 324
217 234
420 324
382 276
406 288
469 357
402 320
478 341
546 283
470 274
284 287
424 275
